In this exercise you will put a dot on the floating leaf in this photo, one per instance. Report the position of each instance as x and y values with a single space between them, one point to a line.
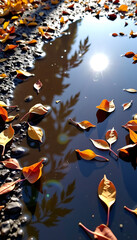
33 173
114 34
38 85
3 113
111 136
101 232
8 187
37 109
88 154
129 54
35 133
123 8
126 148
9 47
106 106
131 90
11 118
107 193
135 57
11 163
23 73
84 125
133 136
130 210
6 136
132 124
127 105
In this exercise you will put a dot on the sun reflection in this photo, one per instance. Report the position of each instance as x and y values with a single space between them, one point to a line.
99 62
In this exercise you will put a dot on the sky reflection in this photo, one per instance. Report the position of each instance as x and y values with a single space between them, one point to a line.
99 62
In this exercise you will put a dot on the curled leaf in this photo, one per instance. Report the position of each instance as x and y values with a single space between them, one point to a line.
37 109
88 154
131 90
126 148
33 173
127 105
107 193
38 85
132 124
22 73
35 133
100 144
3 75
133 136
8 187
107 106
129 54
111 136
11 163
84 125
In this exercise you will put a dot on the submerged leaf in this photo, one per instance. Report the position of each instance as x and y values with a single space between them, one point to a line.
107 106
35 133
127 105
107 193
33 173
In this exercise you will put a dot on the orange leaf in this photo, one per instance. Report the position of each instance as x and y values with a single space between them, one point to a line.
10 47
3 75
127 105
114 34
135 57
132 124
133 136
84 125
106 106
129 54
123 8
3 113
11 163
111 136
126 148
88 154
33 173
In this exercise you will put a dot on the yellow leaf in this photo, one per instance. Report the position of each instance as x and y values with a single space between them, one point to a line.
123 8
5 25
11 118
107 106
35 133
107 193
133 136
38 109
86 154
3 59
6 136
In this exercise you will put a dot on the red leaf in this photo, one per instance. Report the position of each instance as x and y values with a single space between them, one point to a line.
33 173
8 187
11 163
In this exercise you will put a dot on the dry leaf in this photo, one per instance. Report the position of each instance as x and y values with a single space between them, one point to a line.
3 113
131 90
35 133
33 173
11 163
135 57
9 47
107 193
100 144
88 154
132 124
3 59
5 25
23 73
123 8
129 54
111 136
126 148
106 106
101 232
114 34
3 75
38 85
133 136
84 125
11 118
135 117
8 187
130 210
127 105
6 136
2 206
54 2
37 109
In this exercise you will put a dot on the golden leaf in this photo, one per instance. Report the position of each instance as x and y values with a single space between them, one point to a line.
11 118
107 193
123 8
131 90
86 154
24 73
9 47
111 136
84 125
6 136
35 133
5 25
133 136
3 75
106 106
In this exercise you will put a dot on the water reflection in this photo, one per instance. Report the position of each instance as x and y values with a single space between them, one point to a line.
99 62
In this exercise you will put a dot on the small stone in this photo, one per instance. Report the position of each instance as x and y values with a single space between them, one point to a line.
28 98
19 152
13 207
121 225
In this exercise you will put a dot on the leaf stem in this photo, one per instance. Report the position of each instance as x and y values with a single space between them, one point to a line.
103 157
108 216
128 209
113 152
24 116
73 122
13 106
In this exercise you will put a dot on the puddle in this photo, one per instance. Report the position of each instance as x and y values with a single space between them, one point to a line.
69 74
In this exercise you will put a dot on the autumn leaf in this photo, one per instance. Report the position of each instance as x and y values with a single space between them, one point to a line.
132 124
135 57
127 105
88 154
3 113
11 118
3 75
130 210
5 25
126 148
9 47
11 163
123 8
101 232
111 136
33 172
54 2
37 109
100 144
35 133
6 136
130 90
38 85
84 125
129 54
114 34
133 136
106 106
107 193
8 187
22 73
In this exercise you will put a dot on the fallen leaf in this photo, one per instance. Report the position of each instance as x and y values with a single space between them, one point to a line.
112 16
35 133
38 85
9 47
135 57
88 154
101 232
5 25
33 172
8 187
32 42
54 2
135 117
3 113
106 106
131 90
31 24
3 59
6 136
123 8
3 75
132 124
11 118
114 34
23 73
129 54
11 163
111 136
100 144
84 125
133 136
126 148
37 109
130 210
107 193
127 105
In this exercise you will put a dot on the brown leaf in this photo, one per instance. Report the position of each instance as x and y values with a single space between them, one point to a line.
33 173
127 105
107 106
8 187
11 163
37 109
111 136
84 125
107 193
129 54
131 90
132 124
126 148
100 144
38 85
114 34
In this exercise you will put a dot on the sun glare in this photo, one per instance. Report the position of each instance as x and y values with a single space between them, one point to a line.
99 62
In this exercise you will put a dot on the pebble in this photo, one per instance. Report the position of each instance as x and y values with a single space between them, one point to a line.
28 98
19 152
